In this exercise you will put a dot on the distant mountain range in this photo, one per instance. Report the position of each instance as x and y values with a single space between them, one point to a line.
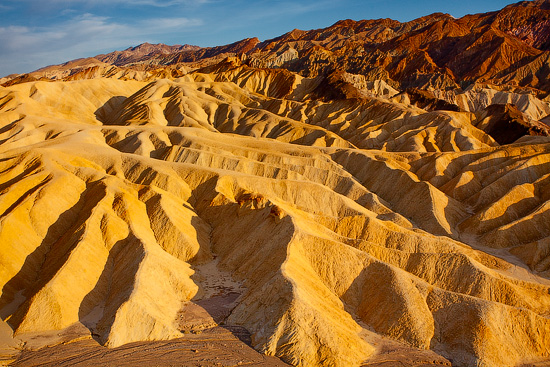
506 47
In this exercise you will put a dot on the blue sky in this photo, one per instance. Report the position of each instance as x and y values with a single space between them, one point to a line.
37 33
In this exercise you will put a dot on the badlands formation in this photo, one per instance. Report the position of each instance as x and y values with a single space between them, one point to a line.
334 216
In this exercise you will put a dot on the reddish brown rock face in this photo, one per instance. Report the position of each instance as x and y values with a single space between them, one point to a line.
437 51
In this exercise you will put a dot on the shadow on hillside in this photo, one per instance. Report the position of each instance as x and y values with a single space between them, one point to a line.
108 113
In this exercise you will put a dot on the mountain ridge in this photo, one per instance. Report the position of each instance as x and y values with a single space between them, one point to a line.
439 50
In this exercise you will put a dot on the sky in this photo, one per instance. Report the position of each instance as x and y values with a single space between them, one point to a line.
37 33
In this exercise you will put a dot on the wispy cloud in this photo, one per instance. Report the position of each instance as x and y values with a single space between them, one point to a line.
84 35
268 12
162 25
132 3
157 3
285 8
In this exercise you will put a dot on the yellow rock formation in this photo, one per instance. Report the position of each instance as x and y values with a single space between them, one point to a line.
337 217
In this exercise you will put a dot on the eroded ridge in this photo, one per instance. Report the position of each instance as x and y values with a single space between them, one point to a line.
329 230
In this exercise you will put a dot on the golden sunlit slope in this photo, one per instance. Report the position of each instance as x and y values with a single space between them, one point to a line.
347 222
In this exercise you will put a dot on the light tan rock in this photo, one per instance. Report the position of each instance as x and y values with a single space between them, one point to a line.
339 218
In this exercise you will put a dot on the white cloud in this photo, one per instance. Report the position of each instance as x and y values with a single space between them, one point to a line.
24 49
161 25
130 3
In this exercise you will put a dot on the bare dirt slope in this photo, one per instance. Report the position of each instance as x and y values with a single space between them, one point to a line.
335 231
